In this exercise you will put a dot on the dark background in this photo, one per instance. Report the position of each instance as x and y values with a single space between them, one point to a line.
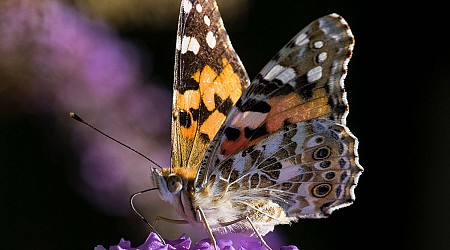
399 94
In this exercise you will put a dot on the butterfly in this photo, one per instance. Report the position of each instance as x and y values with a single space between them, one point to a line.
250 155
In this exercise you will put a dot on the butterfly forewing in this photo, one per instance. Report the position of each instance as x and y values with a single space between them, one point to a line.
209 79
303 81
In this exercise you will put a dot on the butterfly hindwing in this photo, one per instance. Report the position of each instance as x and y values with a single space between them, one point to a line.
307 167
209 79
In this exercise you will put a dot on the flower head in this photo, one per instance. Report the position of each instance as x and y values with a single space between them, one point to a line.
153 242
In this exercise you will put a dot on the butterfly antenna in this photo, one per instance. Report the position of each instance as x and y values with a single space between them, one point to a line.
77 118
140 215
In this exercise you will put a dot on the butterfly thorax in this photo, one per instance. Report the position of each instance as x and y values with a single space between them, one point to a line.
228 207
225 207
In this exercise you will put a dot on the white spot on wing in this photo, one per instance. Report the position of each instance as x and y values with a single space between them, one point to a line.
349 33
314 74
334 15
194 46
287 75
210 40
318 44
273 72
322 57
189 44
206 20
199 8
281 73
301 39
187 6
178 46
268 66
184 44
248 119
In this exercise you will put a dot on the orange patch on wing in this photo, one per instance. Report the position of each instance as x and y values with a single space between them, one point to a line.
189 132
226 84
295 109
311 110
212 124
231 82
208 84
190 99
241 120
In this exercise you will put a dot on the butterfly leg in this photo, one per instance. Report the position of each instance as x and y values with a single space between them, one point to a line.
141 216
257 234
208 229
174 221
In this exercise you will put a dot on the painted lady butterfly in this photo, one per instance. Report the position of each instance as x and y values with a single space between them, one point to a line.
249 156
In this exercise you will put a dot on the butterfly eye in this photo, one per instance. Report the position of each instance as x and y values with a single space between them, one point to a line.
174 183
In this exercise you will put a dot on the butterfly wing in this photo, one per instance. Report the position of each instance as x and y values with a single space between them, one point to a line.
209 79
285 139
307 168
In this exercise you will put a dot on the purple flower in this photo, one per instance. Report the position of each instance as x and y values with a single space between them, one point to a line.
154 243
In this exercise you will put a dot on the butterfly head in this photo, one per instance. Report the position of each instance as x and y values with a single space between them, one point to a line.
171 182
175 186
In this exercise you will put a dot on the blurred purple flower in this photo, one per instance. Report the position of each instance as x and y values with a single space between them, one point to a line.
153 243
54 60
